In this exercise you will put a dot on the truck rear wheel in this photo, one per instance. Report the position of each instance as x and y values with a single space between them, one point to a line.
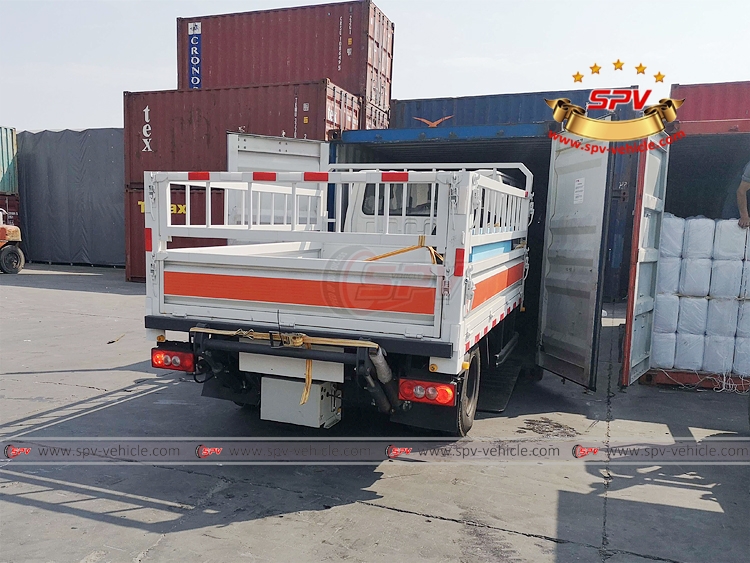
469 394
12 259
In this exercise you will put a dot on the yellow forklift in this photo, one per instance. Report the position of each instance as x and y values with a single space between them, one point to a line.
12 259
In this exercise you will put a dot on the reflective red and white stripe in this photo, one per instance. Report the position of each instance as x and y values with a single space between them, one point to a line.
476 337
328 177
368 176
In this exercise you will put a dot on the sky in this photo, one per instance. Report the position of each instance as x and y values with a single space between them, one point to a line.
65 64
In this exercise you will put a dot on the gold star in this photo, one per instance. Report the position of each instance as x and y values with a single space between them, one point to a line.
659 76
578 77
640 68
618 64
595 69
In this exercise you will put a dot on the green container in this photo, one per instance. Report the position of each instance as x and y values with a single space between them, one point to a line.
8 161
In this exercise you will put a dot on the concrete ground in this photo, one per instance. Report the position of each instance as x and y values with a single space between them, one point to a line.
74 362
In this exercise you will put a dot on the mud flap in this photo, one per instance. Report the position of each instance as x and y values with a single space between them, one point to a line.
496 386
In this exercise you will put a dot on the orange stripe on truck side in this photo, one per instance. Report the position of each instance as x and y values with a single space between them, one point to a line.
487 289
368 296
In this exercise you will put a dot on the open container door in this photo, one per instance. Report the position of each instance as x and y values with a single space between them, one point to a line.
647 217
570 303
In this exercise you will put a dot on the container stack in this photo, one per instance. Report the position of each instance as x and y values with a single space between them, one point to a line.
702 308
349 43
309 72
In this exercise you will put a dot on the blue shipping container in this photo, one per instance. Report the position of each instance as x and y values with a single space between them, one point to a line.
8 161
499 109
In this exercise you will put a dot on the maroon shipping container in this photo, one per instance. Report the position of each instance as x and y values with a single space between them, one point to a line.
185 130
374 117
135 250
351 43
711 102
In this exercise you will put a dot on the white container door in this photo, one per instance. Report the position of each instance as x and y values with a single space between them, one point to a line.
570 308
647 218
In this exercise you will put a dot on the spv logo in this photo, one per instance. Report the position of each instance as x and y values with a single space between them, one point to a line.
10 451
575 120
610 99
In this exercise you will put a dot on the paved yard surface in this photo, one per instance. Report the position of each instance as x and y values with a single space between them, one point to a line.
74 363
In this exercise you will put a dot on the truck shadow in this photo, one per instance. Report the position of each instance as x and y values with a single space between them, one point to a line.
164 499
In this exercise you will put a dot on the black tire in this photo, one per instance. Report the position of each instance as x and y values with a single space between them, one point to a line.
12 259
469 394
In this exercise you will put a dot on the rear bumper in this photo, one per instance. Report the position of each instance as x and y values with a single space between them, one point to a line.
390 344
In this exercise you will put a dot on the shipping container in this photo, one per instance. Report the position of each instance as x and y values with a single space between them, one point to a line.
186 130
8 161
135 252
499 109
374 117
712 102
578 244
704 172
350 43
71 186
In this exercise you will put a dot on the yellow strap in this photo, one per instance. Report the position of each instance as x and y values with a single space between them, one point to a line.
308 379
432 251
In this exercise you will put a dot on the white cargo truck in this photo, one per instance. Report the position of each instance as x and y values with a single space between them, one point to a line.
391 288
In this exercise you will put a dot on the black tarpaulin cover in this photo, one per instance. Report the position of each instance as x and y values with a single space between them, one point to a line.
71 188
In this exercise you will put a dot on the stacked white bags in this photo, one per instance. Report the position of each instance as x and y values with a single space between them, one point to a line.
702 310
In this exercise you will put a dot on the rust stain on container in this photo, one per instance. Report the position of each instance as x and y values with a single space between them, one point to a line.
185 130
351 43
135 223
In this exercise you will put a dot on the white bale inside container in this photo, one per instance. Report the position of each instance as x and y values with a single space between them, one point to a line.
745 285
718 354
695 277
662 350
698 241
672 232
666 313
741 356
729 240
726 278
689 352
693 315
743 320
668 275
722 317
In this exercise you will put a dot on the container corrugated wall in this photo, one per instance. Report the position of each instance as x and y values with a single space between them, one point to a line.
8 161
350 43
500 109
186 130
709 102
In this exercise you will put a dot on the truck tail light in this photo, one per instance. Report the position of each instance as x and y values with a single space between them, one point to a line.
443 394
171 359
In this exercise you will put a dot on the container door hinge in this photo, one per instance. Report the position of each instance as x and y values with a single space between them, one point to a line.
446 290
